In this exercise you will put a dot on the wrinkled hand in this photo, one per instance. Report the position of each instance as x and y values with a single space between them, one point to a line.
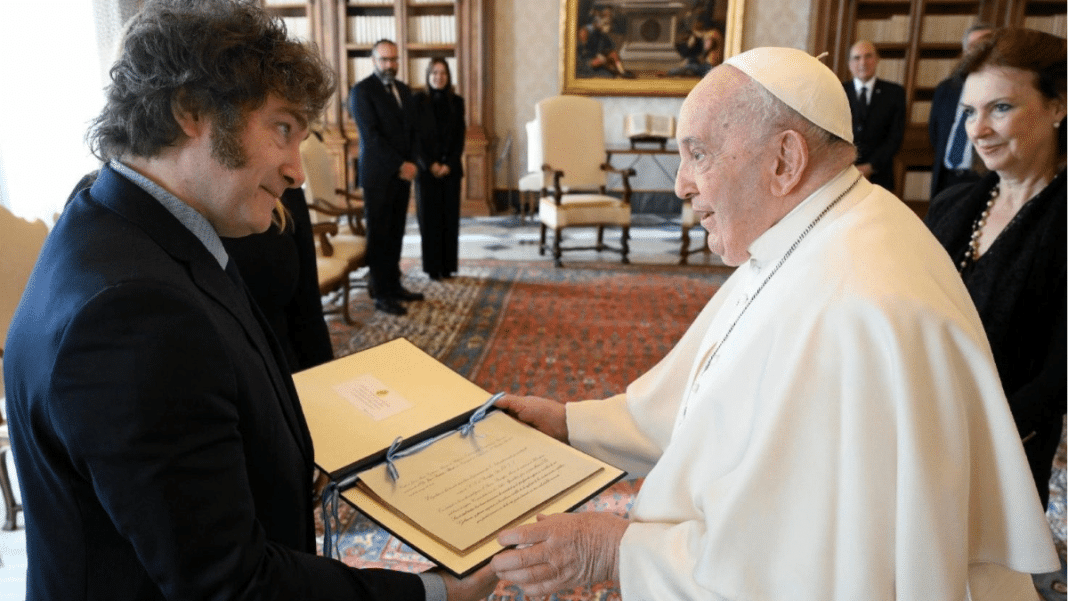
546 415
565 551
476 586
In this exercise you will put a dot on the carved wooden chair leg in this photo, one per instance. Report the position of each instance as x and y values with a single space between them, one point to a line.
12 508
684 248
541 244
624 241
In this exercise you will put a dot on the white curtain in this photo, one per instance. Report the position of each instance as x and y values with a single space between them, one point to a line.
55 61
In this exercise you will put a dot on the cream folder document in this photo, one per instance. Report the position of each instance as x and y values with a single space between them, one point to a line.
450 499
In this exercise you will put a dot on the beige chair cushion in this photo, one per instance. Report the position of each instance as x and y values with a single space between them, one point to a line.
584 209
331 270
349 246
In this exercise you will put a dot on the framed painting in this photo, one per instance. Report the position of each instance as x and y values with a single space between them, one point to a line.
644 47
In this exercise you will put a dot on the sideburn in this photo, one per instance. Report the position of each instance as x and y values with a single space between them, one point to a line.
226 141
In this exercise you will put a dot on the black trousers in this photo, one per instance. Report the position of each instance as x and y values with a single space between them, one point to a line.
386 208
438 209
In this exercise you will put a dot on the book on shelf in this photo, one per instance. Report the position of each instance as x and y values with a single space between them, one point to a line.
432 29
890 30
298 28
945 29
646 126
931 71
921 111
359 68
1056 24
368 29
390 427
891 69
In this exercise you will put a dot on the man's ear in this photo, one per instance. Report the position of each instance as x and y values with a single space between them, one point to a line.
186 115
791 161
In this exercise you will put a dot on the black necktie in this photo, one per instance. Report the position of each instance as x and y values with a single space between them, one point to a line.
862 103
958 146
391 88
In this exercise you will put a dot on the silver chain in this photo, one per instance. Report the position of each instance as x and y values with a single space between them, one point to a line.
774 270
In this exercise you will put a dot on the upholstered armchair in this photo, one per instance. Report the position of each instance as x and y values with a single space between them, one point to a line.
338 254
324 195
530 185
575 172
22 243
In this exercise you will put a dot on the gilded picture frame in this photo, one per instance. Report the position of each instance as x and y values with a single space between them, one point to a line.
644 47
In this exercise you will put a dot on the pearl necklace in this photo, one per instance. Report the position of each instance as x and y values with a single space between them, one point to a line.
972 252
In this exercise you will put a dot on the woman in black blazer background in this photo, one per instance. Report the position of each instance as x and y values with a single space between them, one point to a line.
441 127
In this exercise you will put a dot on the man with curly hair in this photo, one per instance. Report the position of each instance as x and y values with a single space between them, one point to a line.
158 437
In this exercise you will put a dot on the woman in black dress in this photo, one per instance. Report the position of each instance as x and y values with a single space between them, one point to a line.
1006 233
441 128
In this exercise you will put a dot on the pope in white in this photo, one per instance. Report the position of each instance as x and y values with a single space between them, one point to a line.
832 426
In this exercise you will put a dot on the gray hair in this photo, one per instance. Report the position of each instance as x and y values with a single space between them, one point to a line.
977 26
775 116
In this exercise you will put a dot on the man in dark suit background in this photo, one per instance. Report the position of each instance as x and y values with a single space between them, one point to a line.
384 114
159 442
878 108
952 162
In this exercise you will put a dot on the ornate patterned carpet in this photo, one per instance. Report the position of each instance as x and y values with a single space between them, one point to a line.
583 331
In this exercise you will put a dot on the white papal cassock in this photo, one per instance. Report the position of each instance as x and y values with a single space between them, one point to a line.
849 440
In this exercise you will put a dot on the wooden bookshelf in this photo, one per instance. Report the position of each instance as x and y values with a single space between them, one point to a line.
920 43
458 30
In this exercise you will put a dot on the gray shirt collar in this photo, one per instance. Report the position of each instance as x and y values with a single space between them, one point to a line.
185 214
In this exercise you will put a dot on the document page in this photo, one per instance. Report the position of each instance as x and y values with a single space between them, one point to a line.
464 489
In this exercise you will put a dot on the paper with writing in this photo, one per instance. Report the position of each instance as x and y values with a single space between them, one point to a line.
465 489
368 394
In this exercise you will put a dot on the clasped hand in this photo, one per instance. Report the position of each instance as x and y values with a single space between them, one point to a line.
561 552
439 169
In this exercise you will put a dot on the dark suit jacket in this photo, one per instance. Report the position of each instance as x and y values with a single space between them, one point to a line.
160 446
878 137
939 126
387 132
280 271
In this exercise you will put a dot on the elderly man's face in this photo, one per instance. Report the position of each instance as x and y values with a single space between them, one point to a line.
863 59
721 170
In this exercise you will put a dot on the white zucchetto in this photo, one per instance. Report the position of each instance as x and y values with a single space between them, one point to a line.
801 81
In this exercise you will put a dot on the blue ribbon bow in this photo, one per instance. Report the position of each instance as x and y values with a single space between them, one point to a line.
332 492
393 454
